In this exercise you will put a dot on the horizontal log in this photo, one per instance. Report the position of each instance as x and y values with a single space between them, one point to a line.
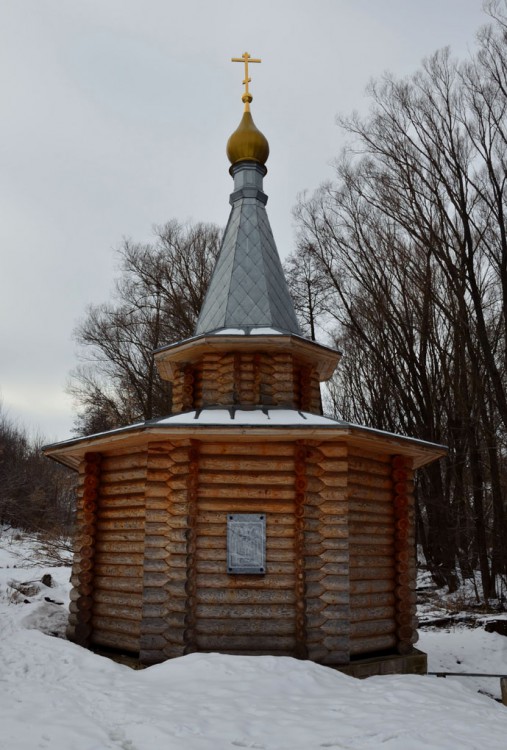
159 464
118 598
207 580
372 599
369 539
177 451
127 461
280 535
336 582
360 646
375 549
371 561
152 597
124 512
119 546
371 482
331 560
121 475
250 626
158 493
236 490
118 641
205 540
155 566
161 529
123 488
117 583
377 495
114 558
328 466
116 625
155 626
244 612
369 512
115 612
273 554
160 614
370 628
360 465
104 525
316 624
126 571
332 503
337 625
241 477
371 455
333 450
239 597
367 614
273 567
230 503
153 541
257 644
372 574
159 553
270 449
262 464
124 535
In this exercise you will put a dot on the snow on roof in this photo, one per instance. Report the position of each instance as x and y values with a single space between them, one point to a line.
229 332
256 417
233 416
249 331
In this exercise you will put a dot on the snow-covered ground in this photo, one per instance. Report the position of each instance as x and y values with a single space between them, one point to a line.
59 696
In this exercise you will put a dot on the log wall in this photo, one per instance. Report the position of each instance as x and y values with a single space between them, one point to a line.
245 613
326 553
371 543
116 610
150 570
166 628
247 379
82 577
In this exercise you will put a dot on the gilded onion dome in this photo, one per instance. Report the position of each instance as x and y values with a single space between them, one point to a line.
247 143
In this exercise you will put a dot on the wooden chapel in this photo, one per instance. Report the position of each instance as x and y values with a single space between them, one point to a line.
246 521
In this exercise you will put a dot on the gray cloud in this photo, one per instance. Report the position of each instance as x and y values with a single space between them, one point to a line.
115 117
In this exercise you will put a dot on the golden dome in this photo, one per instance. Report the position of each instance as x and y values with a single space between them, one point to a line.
247 142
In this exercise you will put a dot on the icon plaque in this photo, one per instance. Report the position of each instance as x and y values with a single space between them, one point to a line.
246 543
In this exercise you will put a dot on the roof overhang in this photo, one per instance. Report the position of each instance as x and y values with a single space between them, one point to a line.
167 358
72 452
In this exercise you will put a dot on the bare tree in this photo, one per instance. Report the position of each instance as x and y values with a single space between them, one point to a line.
35 494
157 299
411 238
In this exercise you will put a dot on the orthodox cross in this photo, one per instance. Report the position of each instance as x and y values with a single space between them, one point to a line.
245 58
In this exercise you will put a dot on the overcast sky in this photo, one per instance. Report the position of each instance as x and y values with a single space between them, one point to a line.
115 115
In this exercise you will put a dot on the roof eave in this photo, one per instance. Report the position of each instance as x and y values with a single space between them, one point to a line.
166 358
71 452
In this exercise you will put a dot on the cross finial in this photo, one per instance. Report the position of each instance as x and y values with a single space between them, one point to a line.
245 58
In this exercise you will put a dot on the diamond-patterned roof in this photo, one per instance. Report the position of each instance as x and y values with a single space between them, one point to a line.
248 286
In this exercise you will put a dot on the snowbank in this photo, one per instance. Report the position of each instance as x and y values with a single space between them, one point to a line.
54 694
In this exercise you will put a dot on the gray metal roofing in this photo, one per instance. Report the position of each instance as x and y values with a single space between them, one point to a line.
248 286
258 417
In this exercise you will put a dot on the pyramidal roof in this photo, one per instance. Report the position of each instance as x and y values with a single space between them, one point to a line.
248 286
